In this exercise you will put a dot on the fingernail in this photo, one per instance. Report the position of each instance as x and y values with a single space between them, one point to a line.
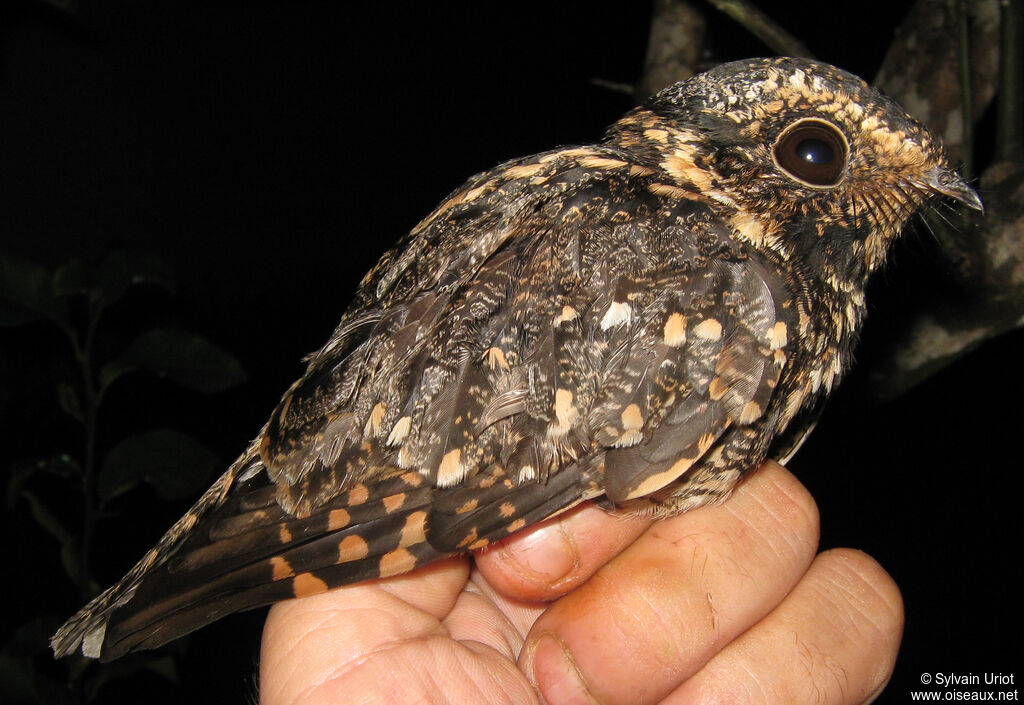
544 555
556 676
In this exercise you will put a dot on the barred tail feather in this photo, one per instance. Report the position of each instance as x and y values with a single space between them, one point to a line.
237 550
172 604
87 627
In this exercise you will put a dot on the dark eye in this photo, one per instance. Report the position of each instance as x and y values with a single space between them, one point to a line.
812 151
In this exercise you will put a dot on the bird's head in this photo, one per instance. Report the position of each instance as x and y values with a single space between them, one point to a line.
804 158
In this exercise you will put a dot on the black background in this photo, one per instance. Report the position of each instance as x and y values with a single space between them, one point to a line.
272 150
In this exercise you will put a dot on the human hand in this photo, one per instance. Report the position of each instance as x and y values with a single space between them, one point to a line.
722 604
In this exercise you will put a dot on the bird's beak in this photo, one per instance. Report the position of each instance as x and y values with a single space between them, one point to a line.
944 180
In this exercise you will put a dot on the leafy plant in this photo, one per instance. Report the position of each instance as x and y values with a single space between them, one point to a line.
76 300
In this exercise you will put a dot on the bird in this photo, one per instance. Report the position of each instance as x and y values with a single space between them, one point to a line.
638 322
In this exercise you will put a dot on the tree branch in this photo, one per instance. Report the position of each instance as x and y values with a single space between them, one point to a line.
929 73
763 27
674 47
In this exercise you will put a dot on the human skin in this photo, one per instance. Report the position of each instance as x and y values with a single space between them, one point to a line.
724 604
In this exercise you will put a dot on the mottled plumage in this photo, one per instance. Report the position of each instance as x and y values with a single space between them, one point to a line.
634 321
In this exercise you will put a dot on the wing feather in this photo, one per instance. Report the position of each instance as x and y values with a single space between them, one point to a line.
527 350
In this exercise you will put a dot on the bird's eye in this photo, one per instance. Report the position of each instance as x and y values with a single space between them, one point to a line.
813 152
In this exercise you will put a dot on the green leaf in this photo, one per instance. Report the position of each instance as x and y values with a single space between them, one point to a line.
26 294
175 465
164 666
71 279
17 673
120 270
69 7
20 682
113 371
33 636
70 404
111 279
62 465
45 518
126 667
147 269
71 559
186 358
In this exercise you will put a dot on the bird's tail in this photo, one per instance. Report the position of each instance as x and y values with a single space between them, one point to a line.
236 549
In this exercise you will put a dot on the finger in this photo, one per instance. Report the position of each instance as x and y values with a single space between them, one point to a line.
315 643
832 641
549 559
659 611
520 614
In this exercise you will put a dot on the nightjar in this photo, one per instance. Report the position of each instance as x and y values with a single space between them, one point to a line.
635 322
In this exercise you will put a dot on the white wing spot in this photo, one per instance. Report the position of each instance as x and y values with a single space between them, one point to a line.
565 414
400 430
373 423
527 473
708 329
618 312
815 377
628 438
451 471
778 335
496 358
